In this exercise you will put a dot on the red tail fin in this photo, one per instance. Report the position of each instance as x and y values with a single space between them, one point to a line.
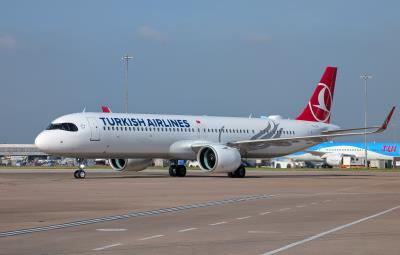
105 109
318 108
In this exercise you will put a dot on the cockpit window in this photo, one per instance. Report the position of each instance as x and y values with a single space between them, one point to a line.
63 126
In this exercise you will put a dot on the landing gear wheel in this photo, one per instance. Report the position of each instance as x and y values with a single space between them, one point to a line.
180 171
172 171
80 174
239 173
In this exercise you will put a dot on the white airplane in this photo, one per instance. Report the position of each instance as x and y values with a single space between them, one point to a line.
131 141
332 153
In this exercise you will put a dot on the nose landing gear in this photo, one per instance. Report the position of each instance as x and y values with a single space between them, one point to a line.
80 173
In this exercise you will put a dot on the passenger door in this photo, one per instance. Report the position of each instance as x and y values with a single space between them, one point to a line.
94 129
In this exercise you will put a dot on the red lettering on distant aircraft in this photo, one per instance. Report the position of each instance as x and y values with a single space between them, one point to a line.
389 148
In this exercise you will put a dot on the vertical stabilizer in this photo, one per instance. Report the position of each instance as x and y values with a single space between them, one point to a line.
318 108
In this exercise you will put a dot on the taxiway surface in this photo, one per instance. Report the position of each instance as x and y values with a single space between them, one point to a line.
270 212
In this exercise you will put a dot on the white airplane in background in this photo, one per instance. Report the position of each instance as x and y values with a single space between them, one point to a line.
332 153
131 141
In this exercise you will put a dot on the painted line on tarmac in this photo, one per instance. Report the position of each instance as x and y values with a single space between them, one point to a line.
107 247
111 229
151 237
133 215
311 238
186 230
262 232
242 218
218 223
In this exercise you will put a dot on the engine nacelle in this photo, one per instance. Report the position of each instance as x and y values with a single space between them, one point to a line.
334 160
132 164
219 158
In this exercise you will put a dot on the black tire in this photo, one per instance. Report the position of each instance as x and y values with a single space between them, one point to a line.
240 172
76 174
172 171
181 171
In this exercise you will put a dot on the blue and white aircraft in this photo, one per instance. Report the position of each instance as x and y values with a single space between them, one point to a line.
332 153
132 140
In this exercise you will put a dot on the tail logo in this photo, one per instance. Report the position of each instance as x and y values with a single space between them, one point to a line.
324 103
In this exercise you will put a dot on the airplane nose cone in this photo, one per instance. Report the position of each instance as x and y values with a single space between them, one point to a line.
41 142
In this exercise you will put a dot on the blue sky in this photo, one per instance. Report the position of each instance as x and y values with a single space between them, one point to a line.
230 58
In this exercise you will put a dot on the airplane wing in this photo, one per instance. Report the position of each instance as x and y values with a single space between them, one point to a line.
324 154
316 153
287 141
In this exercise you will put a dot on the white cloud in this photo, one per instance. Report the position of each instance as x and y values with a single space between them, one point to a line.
149 33
8 41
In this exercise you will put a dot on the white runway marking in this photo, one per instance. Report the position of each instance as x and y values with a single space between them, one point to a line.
264 213
328 200
300 206
218 223
186 229
111 229
107 247
329 231
242 218
314 203
262 232
150 237
284 209
133 215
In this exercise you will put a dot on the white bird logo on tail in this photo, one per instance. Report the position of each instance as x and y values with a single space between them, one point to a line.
321 100
321 103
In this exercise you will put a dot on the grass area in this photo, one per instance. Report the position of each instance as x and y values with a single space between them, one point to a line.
326 169
196 168
52 167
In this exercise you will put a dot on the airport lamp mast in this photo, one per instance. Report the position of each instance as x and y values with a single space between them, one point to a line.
365 77
126 59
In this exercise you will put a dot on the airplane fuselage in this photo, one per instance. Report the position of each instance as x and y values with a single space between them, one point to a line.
120 135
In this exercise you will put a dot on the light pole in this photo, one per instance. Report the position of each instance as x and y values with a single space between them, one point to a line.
365 77
126 59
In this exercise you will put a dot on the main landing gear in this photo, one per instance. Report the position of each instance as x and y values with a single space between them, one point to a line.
176 170
238 173
80 173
